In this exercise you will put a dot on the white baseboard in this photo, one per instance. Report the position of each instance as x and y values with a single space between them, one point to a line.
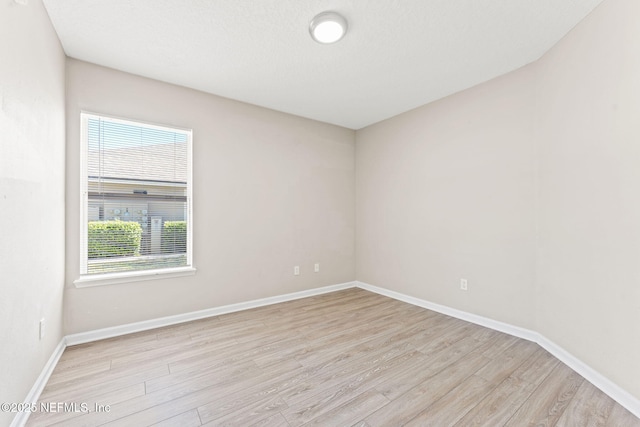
459 314
114 331
614 391
617 393
611 389
99 334
34 394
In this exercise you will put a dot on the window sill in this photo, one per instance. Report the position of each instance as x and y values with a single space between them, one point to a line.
128 277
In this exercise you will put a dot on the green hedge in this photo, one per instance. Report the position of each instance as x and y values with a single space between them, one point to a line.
113 239
174 237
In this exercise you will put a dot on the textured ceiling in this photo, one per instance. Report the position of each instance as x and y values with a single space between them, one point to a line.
397 55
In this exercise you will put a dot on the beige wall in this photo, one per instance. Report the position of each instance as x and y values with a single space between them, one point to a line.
31 195
271 191
446 192
528 187
589 217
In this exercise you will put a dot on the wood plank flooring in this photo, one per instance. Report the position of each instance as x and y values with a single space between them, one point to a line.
348 358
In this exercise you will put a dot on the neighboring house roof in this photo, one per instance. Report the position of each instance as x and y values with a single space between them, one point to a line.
150 162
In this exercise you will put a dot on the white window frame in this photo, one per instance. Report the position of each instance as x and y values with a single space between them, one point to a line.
87 280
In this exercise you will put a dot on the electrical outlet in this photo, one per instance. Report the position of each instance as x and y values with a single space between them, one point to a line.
463 284
316 267
296 270
41 330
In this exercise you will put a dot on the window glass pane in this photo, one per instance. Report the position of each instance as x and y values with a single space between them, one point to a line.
137 197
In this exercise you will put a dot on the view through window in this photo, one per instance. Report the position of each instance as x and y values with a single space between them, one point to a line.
137 196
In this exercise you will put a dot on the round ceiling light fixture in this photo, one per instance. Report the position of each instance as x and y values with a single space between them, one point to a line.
328 27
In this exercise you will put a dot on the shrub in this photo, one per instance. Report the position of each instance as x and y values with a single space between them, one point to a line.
174 237
113 239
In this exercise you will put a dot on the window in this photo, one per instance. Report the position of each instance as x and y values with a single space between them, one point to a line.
136 199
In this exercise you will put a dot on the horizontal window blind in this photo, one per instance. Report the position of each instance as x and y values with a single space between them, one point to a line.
137 196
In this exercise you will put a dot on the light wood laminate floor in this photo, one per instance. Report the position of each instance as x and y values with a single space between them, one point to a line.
348 358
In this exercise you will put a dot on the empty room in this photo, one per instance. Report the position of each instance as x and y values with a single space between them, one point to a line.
312 212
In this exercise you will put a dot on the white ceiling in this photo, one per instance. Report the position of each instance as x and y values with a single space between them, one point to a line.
397 55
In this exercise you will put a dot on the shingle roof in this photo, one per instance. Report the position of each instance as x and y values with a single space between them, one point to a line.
152 162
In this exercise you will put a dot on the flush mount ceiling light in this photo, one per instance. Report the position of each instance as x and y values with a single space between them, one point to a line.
328 27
